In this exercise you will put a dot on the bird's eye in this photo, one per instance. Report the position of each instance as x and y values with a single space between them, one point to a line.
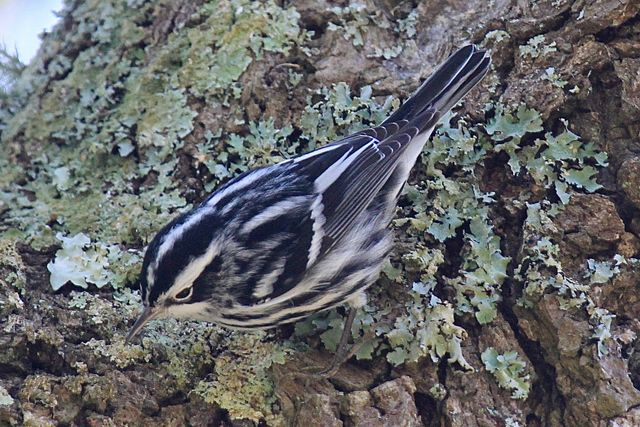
184 294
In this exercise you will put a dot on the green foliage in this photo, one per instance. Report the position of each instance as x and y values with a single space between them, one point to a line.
10 70
509 370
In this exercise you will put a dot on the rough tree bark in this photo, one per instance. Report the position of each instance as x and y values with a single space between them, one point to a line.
134 110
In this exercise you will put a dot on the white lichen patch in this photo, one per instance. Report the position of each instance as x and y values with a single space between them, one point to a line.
5 397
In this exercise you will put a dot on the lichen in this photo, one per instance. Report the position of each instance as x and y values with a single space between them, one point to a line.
119 117
509 370
352 22
339 113
11 265
5 397
557 161
131 102
240 382
438 392
117 352
81 262
536 47
541 270
551 75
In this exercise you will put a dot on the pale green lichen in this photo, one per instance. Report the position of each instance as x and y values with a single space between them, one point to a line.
428 329
240 383
551 76
102 311
5 397
117 352
536 47
109 163
216 53
541 270
443 204
440 206
111 175
11 265
601 271
340 112
130 102
509 370
556 161
509 421
508 129
438 392
352 22
497 35
483 271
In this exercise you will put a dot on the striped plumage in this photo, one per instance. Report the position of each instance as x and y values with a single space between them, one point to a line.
280 243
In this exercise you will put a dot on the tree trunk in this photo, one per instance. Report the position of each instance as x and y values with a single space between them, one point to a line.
512 293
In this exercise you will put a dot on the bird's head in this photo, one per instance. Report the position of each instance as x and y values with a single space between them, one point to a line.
180 267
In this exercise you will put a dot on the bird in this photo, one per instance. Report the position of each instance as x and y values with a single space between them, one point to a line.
282 242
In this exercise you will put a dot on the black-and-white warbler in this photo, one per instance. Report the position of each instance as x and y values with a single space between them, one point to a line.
279 243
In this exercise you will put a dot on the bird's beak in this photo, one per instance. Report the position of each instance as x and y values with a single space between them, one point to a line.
149 313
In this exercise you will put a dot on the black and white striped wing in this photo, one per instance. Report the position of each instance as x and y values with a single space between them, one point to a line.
349 175
344 178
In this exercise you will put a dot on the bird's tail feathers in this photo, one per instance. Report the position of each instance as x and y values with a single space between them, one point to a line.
448 85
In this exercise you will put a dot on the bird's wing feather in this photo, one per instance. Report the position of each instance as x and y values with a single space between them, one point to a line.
349 176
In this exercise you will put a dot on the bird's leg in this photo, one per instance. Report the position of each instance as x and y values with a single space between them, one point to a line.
342 355
343 352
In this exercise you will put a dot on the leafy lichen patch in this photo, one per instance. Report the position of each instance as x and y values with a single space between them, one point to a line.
509 371
240 382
